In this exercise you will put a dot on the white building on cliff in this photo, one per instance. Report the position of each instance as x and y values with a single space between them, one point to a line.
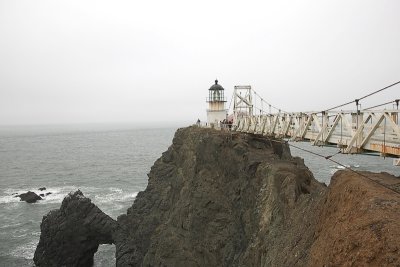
216 111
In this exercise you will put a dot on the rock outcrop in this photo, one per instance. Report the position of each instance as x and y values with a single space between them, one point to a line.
30 197
218 198
71 235
222 199
359 224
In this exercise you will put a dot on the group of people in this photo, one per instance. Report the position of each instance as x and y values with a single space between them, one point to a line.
227 124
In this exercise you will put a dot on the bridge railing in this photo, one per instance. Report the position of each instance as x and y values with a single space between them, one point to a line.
353 132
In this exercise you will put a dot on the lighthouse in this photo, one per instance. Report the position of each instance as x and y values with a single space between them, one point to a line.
216 111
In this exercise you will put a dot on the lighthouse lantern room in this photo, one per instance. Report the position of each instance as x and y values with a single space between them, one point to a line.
216 111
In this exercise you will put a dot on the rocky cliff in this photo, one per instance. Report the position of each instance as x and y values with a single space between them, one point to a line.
215 198
221 199
359 223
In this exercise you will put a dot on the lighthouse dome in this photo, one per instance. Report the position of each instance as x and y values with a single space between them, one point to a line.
216 86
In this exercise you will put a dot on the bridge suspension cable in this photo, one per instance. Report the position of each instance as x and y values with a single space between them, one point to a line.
380 105
368 95
377 91
270 105
230 102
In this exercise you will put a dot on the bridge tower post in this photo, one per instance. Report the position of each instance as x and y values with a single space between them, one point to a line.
242 102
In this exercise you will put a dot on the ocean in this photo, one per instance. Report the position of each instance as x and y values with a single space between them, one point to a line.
109 164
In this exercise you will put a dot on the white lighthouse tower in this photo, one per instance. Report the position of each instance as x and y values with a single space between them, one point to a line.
216 111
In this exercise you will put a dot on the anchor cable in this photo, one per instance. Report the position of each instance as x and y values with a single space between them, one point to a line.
330 159
336 162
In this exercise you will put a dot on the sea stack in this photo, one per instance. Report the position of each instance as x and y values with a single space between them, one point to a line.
29 197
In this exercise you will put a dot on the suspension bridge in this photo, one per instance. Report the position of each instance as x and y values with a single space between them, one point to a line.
353 131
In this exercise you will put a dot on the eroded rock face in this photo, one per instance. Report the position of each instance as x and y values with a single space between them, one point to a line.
221 199
71 235
360 222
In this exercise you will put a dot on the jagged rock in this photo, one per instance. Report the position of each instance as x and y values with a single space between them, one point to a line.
71 235
29 197
221 199
42 188
42 195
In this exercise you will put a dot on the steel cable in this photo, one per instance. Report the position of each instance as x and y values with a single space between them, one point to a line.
358 99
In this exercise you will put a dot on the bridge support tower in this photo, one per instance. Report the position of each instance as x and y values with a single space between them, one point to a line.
242 102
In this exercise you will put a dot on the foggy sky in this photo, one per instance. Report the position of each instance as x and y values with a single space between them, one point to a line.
151 61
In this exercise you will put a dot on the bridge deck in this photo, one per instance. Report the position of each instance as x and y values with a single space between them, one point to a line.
353 132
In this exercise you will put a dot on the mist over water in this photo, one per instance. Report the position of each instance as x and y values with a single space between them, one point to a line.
109 165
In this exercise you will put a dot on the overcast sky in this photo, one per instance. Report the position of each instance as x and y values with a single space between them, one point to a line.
134 61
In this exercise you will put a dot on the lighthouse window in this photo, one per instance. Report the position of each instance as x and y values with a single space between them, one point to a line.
216 95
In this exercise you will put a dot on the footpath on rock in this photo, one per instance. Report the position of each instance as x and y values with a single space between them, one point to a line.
217 198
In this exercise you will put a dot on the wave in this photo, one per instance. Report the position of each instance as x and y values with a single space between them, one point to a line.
57 194
114 196
335 168
341 167
25 251
5 226
8 199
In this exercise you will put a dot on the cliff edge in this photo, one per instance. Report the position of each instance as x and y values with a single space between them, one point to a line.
218 198
222 199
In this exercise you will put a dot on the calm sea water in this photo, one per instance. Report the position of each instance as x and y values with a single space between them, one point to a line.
108 164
